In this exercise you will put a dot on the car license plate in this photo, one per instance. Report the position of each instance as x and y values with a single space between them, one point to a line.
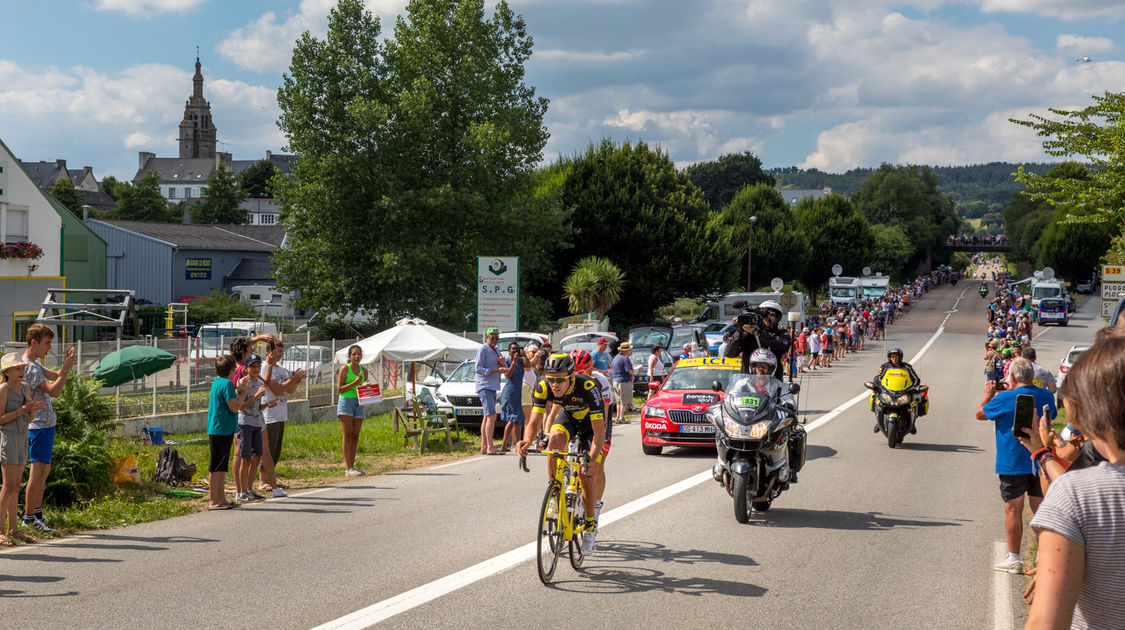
469 412
697 428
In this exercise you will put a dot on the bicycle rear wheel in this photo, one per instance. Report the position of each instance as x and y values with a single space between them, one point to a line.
577 515
549 537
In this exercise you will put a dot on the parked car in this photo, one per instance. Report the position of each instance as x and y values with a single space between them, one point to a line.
714 333
457 395
676 414
1053 310
1071 356
587 341
640 369
1084 287
645 337
685 334
522 338
316 359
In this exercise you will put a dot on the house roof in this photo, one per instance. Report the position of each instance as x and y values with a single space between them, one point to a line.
250 238
282 161
186 171
98 200
56 205
248 269
45 173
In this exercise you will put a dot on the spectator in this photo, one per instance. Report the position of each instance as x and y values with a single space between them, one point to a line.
511 398
489 366
686 354
250 425
1016 471
45 385
601 357
655 370
19 403
280 382
222 417
1081 524
623 380
1043 376
348 409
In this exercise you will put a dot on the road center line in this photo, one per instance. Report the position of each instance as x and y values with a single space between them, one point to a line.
381 611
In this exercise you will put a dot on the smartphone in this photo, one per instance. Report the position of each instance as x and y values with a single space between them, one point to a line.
1025 413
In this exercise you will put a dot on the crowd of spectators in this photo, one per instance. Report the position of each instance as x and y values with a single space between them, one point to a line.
963 240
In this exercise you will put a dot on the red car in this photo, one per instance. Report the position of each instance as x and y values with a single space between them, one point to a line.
675 415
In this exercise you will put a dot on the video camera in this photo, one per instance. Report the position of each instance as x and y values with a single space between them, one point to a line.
751 315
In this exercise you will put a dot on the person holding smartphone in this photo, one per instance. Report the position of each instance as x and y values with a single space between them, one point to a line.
1016 471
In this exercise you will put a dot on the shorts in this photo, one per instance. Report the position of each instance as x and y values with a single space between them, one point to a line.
584 430
525 395
275 433
220 453
1015 486
41 442
13 442
624 394
487 401
249 441
349 407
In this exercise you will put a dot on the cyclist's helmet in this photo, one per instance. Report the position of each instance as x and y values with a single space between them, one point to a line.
582 360
893 351
762 356
770 305
559 362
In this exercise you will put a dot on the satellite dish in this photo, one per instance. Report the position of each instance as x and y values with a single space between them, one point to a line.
1038 275
866 271
1048 273
837 270
776 284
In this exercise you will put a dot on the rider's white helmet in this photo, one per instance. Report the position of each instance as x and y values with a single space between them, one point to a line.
763 355
770 305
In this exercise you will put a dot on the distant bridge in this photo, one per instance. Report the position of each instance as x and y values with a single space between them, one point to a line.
972 248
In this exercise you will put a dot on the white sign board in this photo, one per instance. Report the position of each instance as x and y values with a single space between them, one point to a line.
1113 290
1113 272
1107 308
498 292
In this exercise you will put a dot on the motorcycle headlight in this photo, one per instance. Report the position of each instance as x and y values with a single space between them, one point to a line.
752 432
903 399
886 398
655 412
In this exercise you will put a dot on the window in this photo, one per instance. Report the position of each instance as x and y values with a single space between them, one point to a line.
171 193
268 219
16 231
187 193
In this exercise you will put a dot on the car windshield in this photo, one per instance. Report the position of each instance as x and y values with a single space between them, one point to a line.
717 327
1073 356
221 337
1052 305
843 292
466 373
1039 293
874 291
749 390
697 377
294 353
648 337
682 336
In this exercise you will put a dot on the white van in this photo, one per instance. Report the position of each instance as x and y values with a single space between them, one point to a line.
214 339
724 310
874 286
275 303
1046 289
843 290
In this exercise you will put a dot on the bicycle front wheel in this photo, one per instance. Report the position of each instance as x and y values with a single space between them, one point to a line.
549 537
577 515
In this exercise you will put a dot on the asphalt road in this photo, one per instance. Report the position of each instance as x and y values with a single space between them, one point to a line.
870 537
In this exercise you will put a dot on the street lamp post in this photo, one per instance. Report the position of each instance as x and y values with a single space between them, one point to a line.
750 253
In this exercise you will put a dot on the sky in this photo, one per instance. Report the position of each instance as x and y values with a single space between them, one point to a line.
822 84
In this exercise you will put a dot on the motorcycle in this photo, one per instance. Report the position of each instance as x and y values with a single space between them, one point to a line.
897 403
983 290
753 441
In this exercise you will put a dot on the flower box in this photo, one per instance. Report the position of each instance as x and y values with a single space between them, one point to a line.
25 250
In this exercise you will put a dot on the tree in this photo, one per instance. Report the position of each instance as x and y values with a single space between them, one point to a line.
143 201
837 233
892 250
1073 248
416 152
1097 133
630 205
594 285
255 180
721 179
778 250
63 189
109 186
219 307
908 197
221 200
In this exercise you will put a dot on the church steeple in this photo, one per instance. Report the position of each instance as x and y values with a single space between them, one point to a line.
197 132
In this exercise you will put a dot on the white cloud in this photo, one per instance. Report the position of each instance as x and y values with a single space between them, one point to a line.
588 56
1070 10
148 7
1079 45
139 140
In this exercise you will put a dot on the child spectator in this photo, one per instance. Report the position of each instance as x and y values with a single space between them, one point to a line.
45 384
18 404
280 382
250 425
222 409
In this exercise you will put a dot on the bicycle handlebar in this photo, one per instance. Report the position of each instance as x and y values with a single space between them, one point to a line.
582 456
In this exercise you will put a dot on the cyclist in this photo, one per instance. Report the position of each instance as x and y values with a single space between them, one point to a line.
584 364
581 414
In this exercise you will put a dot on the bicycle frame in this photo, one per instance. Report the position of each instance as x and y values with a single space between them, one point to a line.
567 469
562 517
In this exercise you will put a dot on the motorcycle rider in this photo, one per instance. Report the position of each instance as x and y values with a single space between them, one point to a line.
894 361
750 337
763 362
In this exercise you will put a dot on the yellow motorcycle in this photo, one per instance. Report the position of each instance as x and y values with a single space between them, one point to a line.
897 402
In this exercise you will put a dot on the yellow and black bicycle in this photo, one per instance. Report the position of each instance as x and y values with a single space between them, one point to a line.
562 519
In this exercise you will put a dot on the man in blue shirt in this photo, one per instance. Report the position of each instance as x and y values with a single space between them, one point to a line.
623 380
489 366
601 356
1016 470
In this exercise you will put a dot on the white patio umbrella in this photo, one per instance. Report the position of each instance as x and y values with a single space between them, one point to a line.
412 340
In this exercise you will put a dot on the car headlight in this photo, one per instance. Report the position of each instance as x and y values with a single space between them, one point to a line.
752 432
655 412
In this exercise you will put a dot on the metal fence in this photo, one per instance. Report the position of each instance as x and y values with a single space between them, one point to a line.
186 385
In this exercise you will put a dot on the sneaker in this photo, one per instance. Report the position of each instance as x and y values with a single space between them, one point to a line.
588 539
354 472
40 523
254 495
239 496
1009 566
278 492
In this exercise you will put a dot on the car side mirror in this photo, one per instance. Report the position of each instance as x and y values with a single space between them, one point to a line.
794 388
432 381
716 386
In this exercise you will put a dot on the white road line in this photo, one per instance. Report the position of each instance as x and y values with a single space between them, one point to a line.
458 462
1001 591
381 611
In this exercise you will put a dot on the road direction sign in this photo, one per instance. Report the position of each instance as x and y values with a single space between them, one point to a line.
1113 290
1107 308
1113 272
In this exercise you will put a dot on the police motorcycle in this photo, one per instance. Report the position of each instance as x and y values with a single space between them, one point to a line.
754 423
897 402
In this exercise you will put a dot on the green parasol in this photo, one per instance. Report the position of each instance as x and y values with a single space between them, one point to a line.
131 363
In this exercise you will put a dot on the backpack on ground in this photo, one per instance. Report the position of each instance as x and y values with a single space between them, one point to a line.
171 468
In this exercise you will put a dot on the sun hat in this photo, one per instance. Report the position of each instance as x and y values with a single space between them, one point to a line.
625 346
9 361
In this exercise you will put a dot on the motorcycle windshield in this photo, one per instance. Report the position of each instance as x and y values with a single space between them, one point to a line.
749 397
897 380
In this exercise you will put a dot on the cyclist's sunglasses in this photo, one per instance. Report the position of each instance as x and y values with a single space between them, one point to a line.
555 380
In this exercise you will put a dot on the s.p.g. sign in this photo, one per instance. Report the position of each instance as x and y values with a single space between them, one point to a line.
498 292
197 269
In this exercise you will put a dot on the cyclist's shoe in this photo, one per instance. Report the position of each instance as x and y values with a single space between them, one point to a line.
588 538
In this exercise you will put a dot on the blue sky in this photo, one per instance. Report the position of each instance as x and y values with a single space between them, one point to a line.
814 83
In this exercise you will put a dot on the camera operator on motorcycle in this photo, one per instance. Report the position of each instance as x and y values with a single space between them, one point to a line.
763 362
758 328
894 360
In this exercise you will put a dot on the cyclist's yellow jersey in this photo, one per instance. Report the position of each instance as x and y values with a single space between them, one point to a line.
582 402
